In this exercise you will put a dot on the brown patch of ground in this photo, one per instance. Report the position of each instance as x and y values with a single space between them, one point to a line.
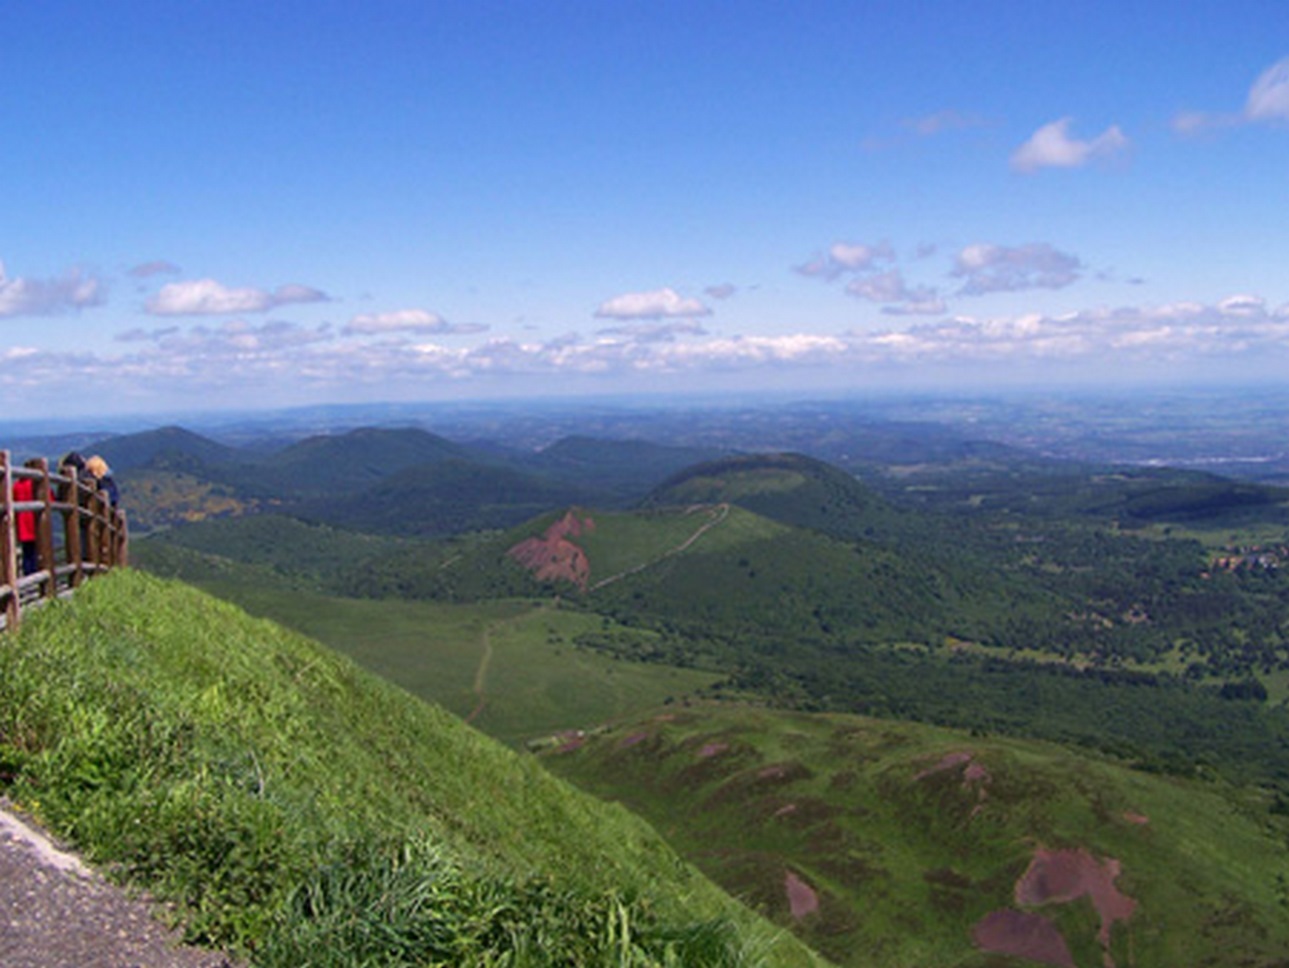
1022 935
712 749
552 556
1140 819
974 774
628 741
752 783
802 899
1061 876
948 762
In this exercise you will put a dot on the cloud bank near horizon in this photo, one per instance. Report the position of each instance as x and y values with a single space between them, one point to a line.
236 356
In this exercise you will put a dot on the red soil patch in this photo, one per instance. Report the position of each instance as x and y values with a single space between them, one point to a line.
1140 819
1022 935
553 557
629 741
712 749
786 809
802 899
1061 876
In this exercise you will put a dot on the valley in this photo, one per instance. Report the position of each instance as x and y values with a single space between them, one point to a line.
873 699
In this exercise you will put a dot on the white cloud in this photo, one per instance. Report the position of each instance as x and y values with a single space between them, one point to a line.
1051 146
407 321
73 290
206 297
1268 99
844 257
658 304
994 268
245 360
654 332
890 288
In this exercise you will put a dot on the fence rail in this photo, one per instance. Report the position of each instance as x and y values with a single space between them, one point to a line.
78 534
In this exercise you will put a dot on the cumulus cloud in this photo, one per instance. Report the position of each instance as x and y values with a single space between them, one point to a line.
206 297
73 290
847 257
658 304
1052 146
654 332
407 321
890 288
251 359
986 268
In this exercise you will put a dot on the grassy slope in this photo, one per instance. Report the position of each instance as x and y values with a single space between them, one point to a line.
905 866
535 681
228 765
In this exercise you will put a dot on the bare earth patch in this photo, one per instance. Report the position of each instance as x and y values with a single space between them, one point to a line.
1061 876
974 774
1022 935
712 749
552 556
628 741
1056 877
802 899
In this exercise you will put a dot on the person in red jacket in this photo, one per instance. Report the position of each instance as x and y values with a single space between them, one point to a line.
25 490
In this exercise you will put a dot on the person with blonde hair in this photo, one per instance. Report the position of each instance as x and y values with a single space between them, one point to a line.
102 474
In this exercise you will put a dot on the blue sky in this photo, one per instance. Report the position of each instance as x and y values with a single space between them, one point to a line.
238 204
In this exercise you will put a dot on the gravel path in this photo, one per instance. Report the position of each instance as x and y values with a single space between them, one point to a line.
57 913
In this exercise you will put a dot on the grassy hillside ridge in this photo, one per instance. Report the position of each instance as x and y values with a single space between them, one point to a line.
307 813
787 487
908 836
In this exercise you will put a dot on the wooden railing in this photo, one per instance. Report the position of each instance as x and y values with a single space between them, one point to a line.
78 534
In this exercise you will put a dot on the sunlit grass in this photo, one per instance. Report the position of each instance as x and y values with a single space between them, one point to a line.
272 790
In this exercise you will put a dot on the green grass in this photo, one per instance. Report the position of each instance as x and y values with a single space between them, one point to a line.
304 812
904 867
536 682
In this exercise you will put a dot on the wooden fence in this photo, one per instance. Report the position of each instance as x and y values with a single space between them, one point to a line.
78 534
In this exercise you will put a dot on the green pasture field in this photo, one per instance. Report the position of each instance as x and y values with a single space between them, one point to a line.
907 855
299 810
535 680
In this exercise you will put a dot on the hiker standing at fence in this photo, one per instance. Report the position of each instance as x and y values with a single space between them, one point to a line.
101 473
25 490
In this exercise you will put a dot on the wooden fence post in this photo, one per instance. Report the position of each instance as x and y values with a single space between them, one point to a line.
45 527
72 526
8 548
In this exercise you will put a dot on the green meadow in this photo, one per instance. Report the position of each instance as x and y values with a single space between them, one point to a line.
512 666
300 811
909 835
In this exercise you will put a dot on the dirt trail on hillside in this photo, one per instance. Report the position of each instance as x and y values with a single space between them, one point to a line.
57 913
481 674
480 685
718 514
